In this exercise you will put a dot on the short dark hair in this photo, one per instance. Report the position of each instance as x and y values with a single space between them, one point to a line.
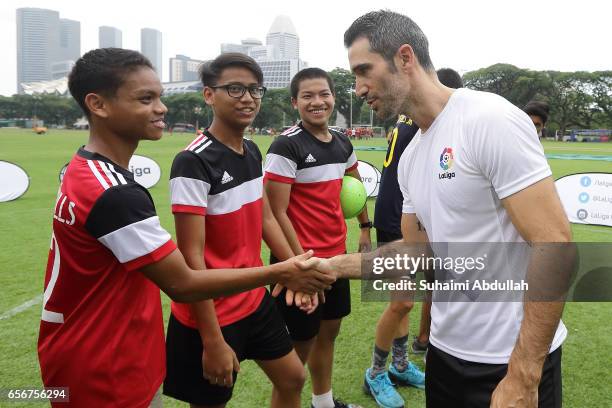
103 71
310 73
386 31
537 108
210 71
449 77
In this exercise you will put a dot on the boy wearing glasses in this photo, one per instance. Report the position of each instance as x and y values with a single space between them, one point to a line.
220 211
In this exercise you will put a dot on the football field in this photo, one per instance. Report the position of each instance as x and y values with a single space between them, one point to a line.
25 233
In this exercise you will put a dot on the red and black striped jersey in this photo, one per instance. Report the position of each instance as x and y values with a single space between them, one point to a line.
315 170
101 332
211 180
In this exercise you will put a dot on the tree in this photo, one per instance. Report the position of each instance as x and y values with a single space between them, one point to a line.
276 110
517 85
569 99
344 83
187 108
53 109
601 89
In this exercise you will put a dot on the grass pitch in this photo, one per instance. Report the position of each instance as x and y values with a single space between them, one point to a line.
25 231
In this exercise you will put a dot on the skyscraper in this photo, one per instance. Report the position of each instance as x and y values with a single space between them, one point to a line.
70 40
183 68
151 47
279 59
244 47
284 38
38 39
109 37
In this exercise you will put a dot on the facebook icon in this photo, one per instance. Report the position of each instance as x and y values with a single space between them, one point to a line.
585 181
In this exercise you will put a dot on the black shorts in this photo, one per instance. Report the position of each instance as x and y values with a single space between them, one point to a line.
453 382
384 237
302 326
260 336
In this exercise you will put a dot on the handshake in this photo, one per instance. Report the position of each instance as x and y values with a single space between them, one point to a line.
305 278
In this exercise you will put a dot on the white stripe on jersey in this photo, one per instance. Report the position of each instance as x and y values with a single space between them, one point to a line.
290 130
204 146
136 240
351 160
326 172
293 132
107 171
196 141
189 191
96 173
233 199
280 165
117 174
196 145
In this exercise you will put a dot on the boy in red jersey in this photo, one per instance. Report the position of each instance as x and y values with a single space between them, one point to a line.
101 333
304 170
221 214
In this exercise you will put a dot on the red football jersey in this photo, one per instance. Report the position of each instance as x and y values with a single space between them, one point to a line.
210 179
315 170
101 333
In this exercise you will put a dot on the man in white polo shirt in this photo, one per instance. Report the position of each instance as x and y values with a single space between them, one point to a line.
474 173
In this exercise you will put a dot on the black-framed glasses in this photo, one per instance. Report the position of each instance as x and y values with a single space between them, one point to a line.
238 90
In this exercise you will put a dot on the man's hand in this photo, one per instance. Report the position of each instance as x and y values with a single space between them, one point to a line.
219 362
519 388
322 265
365 242
301 274
510 393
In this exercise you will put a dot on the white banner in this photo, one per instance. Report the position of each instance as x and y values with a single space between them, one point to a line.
370 177
14 181
146 171
587 198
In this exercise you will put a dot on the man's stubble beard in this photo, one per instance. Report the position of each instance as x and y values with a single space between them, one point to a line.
395 101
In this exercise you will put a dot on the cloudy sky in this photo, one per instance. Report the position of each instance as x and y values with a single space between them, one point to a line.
465 35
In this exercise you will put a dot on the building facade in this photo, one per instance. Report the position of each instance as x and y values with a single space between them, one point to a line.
279 59
283 37
183 68
151 47
70 40
38 38
110 37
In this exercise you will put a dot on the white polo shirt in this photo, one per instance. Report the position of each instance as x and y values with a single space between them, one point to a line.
479 150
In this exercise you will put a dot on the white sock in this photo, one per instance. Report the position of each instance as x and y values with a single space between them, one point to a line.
323 401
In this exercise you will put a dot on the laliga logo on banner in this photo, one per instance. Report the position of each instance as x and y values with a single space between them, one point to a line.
146 171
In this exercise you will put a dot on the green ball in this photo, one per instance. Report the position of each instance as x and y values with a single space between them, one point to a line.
353 196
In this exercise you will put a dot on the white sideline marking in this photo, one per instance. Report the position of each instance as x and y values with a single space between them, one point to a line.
24 306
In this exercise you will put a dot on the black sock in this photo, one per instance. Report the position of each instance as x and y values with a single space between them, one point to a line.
379 362
400 353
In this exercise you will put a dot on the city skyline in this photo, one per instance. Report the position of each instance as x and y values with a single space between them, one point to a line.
278 58
545 35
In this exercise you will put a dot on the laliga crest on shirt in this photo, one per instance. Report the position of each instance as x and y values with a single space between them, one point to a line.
446 163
